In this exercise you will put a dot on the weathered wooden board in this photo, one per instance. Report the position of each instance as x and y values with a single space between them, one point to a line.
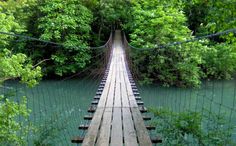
117 133
110 96
124 95
117 100
104 134
142 133
91 136
130 137
103 98
130 94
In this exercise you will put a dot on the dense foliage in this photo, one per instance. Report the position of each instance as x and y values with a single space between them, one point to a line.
20 10
158 23
68 23
192 128
210 16
152 26
10 128
17 66
108 15
13 131
78 24
7 23
207 17
219 61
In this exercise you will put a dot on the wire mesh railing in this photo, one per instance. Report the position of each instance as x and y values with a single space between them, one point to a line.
213 101
57 106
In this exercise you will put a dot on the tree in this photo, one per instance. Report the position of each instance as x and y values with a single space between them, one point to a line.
68 23
219 61
20 9
155 25
207 17
13 66
7 23
108 15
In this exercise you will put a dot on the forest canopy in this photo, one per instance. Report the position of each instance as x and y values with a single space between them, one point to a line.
147 24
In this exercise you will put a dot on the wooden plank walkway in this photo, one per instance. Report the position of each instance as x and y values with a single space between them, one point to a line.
117 120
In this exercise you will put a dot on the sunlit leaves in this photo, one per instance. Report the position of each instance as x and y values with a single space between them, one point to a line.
20 9
9 126
66 22
207 17
17 66
156 24
7 24
220 61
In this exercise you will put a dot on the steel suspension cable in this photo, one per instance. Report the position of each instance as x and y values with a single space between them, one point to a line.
233 30
49 42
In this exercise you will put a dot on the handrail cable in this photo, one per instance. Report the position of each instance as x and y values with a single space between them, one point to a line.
49 42
187 41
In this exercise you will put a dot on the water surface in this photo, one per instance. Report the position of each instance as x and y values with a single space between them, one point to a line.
62 105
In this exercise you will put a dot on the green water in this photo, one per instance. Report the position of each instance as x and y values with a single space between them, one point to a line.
57 107
217 97
63 104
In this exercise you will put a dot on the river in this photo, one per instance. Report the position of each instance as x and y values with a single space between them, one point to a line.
58 107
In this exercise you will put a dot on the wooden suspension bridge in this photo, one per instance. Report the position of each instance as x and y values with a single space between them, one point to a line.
117 118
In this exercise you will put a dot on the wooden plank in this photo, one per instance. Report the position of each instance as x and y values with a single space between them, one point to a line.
124 95
117 100
103 98
116 131
110 96
130 137
77 139
142 133
131 96
104 135
91 135
125 101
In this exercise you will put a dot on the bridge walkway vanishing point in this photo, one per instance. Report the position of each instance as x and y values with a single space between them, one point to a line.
117 120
